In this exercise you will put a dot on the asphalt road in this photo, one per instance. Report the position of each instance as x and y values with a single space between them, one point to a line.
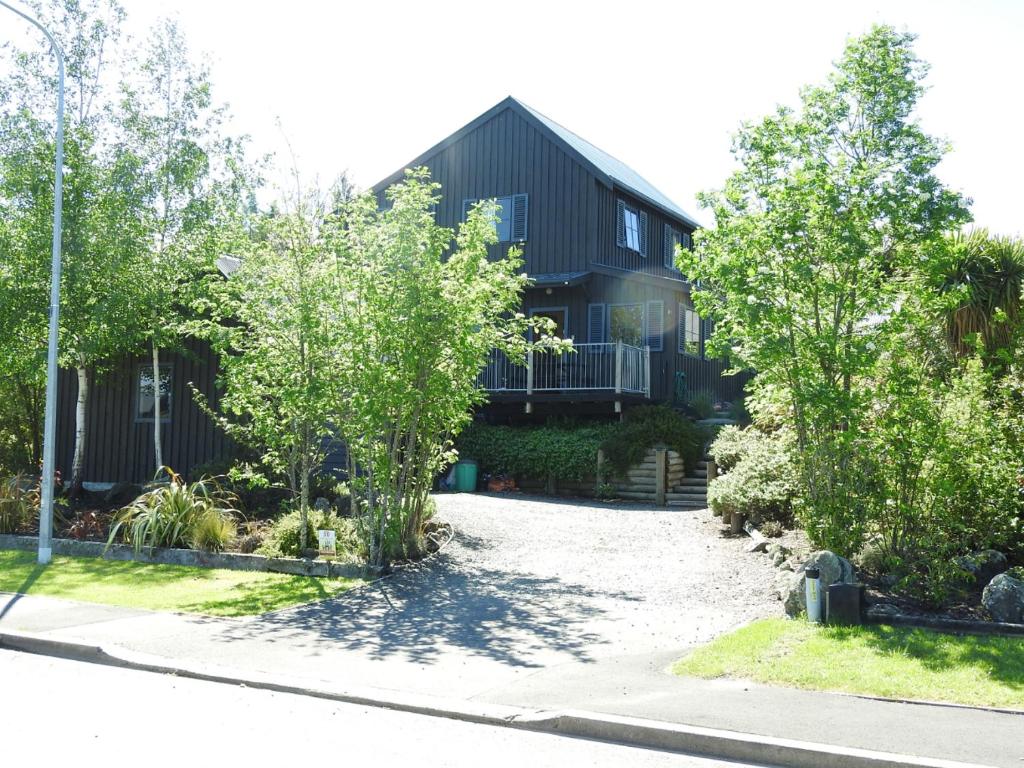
54 712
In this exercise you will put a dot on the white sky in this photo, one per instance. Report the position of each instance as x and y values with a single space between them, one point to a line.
367 86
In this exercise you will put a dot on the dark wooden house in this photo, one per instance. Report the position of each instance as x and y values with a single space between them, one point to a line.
598 242
120 417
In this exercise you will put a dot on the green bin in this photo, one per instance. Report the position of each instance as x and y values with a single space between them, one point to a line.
465 475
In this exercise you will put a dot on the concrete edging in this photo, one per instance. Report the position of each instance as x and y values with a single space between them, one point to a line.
650 734
234 561
961 626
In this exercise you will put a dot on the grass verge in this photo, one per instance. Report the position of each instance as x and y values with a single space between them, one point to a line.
210 591
892 662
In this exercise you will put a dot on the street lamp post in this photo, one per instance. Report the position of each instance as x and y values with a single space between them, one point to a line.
50 419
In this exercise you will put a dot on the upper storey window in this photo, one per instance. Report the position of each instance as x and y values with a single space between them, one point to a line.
631 228
511 212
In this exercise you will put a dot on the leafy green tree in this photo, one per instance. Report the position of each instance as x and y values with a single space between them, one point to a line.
193 181
815 249
414 321
273 325
103 207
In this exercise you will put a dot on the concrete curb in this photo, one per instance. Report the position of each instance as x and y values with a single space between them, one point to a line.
940 624
650 734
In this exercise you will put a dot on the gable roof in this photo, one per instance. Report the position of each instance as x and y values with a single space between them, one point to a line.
611 172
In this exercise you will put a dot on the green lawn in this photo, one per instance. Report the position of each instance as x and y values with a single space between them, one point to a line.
210 591
874 660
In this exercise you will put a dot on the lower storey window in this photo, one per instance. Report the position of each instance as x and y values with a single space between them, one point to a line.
689 331
626 323
146 390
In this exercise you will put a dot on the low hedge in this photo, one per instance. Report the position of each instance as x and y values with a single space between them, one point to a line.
647 426
567 452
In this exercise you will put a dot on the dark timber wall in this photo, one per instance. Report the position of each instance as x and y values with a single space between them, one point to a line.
121 448
572 217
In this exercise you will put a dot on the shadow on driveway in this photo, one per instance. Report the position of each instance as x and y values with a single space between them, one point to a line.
422 613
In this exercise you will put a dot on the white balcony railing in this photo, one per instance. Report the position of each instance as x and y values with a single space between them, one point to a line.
614 367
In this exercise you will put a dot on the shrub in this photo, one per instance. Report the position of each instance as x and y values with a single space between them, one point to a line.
282 540
19 503
566 451
647 426
762 485
732 444
178 514
703 404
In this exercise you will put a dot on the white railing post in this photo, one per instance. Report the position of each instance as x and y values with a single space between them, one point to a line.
647 372
618 367
529 372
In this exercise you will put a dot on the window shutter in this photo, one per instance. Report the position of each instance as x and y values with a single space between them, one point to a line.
708 327
467 205
595 323
681 329
620 224
643 233
669 247
655 325
687 240
519 214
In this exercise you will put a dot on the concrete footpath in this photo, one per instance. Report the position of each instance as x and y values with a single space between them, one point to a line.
623 698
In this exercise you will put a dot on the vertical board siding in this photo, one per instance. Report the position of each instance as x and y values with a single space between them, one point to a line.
119 448
572 225
507 155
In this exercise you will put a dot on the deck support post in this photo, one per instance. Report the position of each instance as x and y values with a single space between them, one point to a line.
529 371
600 471
618 368
647 372
660 476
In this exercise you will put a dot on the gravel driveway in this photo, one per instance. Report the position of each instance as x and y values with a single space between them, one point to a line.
614 579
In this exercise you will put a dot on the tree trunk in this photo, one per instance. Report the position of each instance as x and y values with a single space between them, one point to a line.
81 432
158 451
304 495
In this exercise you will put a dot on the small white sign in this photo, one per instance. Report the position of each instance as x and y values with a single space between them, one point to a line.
328 542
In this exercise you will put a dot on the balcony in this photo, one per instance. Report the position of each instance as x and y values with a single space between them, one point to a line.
615 368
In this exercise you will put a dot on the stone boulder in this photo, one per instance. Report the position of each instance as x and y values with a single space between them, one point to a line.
777 554
984 566
832 569
121 494
1004 598
321 504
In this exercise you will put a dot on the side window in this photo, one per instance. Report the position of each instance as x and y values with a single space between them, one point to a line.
144 399
631 228
512 216
689 331
673 239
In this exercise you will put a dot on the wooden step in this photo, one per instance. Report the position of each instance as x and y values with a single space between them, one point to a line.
633 495
701 482
695 497
686 504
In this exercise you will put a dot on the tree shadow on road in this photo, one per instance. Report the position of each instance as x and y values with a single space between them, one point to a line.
420 614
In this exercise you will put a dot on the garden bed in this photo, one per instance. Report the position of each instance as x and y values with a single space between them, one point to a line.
190 557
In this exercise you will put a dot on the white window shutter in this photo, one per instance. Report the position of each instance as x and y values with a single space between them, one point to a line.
643 233
620 224
655 325
595 323
519 218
